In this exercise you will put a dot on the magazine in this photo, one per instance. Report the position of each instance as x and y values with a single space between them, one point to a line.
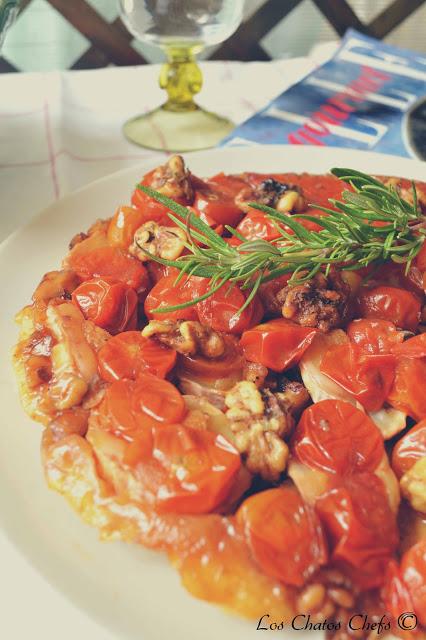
369 95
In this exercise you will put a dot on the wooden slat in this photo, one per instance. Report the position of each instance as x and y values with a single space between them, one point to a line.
244 44
340 15
103 37
94 58
393 16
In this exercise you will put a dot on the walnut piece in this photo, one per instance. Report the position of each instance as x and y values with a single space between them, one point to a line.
321 302
259 421
187 337
174 180
160 241
282 197
413 485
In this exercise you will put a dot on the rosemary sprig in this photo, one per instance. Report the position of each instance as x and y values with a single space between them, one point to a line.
371 224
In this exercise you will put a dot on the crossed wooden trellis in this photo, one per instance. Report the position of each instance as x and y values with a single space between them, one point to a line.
111 43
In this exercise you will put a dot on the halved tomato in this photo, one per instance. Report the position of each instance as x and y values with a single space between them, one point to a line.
166 293
95 258
391 303
408 393
336 437
198 469
284 535
109 304
413 571
409 449
361 527
368 378
129 353
278 344
374 336
221 310
412 348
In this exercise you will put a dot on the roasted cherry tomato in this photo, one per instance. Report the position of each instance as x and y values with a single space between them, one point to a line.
368 378
124 224
409 449
220 311
390 303
215 199
361 528
147 401
129 353
278 344
413 571
284 535
412 348
336 437
256 224
217 205
408 392
152 209
167 293
198 469
229 363
374 336
396 596
94 258
110 305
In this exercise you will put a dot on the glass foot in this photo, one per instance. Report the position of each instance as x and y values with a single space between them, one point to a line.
167 130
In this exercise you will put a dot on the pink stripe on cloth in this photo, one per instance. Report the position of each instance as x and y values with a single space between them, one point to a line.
51 150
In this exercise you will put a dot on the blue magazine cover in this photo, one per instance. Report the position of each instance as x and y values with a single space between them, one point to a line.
369 95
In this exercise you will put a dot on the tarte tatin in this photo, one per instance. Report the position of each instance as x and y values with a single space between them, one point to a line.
276 454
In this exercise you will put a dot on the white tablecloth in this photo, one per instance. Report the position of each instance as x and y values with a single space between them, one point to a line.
59 131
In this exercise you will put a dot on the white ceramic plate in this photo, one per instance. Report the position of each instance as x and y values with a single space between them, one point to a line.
131 591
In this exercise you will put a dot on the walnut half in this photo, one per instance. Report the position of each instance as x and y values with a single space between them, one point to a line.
160 241
259 421
187 337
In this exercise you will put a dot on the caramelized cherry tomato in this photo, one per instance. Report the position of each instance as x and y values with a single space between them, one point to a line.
220 311
147 401
412 348
167 293
215 198
257 225
212 203
409 449
395 593
198 469
413 571
152 209
408 392
129 353
368 378
284 535
336 437
390 303
374 336
123 226
278 344
94 258
110 305
361 527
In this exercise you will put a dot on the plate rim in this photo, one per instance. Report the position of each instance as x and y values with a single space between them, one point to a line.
48 574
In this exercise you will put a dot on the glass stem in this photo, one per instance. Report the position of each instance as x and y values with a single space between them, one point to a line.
181 77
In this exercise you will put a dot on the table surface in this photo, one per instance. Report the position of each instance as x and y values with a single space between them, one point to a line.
58 132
